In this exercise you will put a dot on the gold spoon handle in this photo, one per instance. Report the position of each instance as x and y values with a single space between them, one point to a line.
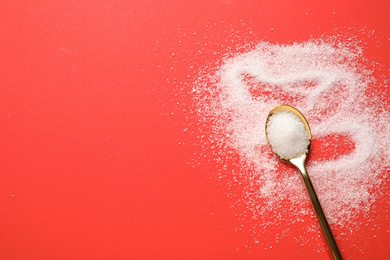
318 209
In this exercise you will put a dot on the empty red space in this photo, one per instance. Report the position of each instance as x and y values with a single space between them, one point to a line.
331 147
265 91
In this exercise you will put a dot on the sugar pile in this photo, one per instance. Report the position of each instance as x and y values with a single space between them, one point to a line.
287 135
328 83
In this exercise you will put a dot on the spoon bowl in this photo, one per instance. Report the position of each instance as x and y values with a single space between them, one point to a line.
298 160
295 117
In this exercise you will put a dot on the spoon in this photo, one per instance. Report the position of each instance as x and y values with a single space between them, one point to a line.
299 162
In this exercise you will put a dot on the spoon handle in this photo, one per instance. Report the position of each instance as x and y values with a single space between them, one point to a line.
318 209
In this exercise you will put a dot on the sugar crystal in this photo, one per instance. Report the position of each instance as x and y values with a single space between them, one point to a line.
287 135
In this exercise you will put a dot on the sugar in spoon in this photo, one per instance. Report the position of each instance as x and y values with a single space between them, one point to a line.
289 136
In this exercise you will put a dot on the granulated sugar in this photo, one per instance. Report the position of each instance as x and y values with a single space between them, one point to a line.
327 82
287 135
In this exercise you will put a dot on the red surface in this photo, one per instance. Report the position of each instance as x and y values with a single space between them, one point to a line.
89 166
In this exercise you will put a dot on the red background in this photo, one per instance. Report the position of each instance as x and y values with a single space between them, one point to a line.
90 161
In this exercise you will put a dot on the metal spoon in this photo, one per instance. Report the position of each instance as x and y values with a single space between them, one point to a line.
299 162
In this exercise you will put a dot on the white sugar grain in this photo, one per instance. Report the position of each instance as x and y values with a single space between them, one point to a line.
287 135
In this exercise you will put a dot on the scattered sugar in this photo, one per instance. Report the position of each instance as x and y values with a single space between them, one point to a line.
233 86
287 135
328 82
